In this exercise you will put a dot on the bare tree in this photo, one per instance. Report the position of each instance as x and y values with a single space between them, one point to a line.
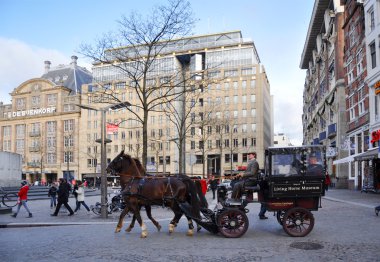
133 55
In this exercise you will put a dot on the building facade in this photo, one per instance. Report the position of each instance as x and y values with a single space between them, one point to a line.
42 123
228 104
372 43
324 109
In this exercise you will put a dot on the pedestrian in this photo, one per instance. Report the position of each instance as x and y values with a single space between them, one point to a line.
213 185
80 197
23 198
63 197
53 195
327 181
75 192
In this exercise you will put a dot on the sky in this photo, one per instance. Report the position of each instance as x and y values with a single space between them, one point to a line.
32 32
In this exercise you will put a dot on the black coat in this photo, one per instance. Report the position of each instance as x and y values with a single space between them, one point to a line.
64 192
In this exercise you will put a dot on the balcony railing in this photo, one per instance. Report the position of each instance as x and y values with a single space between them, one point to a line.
34 148
34 164
34 133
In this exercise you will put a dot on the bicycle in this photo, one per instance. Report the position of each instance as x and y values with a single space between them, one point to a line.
117 204
9 199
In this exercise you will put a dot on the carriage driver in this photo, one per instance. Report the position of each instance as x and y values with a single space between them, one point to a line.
250 176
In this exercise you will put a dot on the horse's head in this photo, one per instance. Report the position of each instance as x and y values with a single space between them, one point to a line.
123 164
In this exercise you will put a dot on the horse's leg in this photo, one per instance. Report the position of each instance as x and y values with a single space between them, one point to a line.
121 219
177 216
136 213
190 231
148 210
132 224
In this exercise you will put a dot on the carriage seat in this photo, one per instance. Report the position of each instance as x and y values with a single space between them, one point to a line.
255 188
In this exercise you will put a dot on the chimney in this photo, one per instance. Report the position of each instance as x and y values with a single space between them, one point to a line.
47 66
73 61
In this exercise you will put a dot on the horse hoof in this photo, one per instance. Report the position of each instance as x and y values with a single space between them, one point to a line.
144 234
189 233
171 228
159 228
117 230
128 229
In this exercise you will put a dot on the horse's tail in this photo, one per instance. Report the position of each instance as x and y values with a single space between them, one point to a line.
192 196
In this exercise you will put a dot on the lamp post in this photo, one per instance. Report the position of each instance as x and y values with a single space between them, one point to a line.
103 157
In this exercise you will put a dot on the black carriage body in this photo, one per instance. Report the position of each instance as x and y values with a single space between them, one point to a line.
294 177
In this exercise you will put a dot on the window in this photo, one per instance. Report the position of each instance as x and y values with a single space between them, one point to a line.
52 100
350 71
235 99
371 20
68 141
218 143
253 98
244 99
192 143
36 101
253 112
359 62
351 104
227 158
361 99
236 142
226 100
244 84
372 49
253 83
226 143
352 36
68 156
244 142
244 112
68 125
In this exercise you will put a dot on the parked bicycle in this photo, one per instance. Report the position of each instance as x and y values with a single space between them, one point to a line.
117 204
8 199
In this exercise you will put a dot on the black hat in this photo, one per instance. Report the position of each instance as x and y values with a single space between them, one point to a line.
24 182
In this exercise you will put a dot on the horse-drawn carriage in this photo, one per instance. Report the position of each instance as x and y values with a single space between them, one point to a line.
292 186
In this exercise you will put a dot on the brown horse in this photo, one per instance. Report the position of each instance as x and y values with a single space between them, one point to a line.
148 208
178 193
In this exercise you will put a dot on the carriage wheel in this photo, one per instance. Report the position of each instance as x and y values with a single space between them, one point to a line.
280 216
298 222
233 223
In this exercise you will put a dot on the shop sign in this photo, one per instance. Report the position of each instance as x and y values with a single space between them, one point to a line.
31 112
377 87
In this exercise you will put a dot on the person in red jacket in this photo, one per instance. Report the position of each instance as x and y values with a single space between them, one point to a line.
23 198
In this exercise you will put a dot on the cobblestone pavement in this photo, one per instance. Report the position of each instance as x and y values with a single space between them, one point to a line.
346 229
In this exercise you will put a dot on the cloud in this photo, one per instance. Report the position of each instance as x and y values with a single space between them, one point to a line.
21 62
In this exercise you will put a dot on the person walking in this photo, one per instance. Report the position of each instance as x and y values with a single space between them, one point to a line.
63 197
213 185
23 198
80 197
53 195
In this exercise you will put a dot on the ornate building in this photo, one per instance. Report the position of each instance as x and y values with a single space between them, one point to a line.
42 122
324 110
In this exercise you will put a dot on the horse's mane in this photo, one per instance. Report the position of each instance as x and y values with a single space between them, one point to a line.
136 164
139 165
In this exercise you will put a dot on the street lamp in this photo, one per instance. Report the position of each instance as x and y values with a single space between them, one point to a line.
103 158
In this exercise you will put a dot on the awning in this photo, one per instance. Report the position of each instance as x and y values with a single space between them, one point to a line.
368 155
344 160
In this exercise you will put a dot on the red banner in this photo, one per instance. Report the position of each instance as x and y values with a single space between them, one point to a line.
112 128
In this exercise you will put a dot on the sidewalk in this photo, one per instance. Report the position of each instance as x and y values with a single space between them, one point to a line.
41 210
